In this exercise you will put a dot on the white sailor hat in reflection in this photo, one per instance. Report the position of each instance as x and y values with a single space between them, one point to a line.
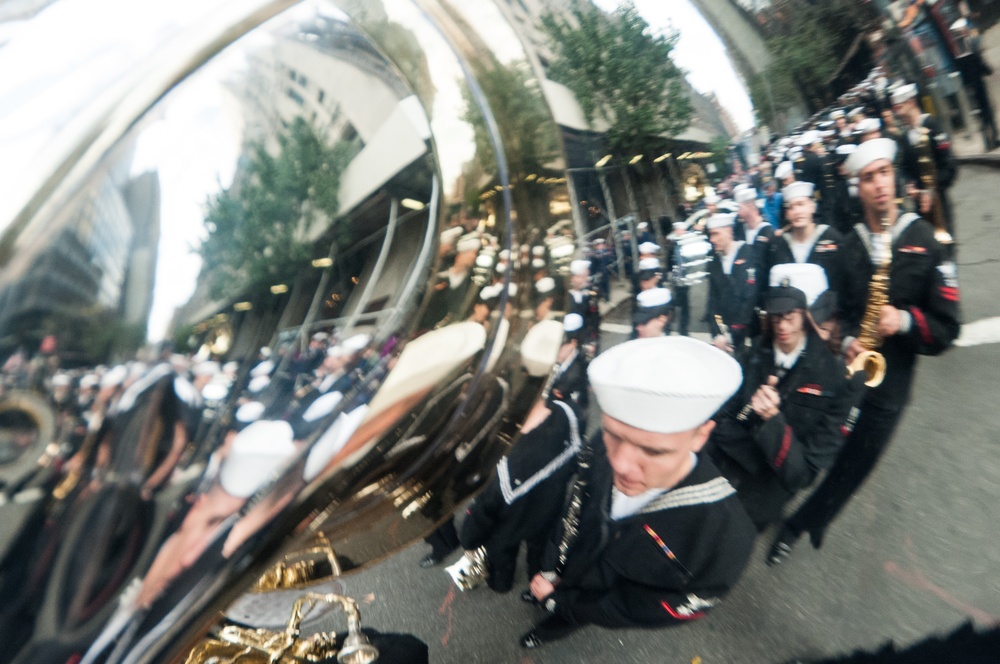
540 347
114 377
427 361
257 454
545 285
250 412
870 151
649 248
264 368
711 198
798 190
783 170
258 383
322 406
867 126
572 322
664 384
332 441
721 220
356 343
469 243
579 267
651 263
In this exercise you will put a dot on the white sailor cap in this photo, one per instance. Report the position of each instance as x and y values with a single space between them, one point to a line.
868 125
649 248
504 254
721 220
540 347
490 292
427 361
856 111
501 268
250 412
61 380
579 267
837 113
114 377
258 383
798 190
711 198
904 93
89 381
469 242
808 279
680 226
572 322
643 225
511 290
336 351
449 235
651 304
265 351
746 195
562 249
322 406
651 263
960 24
545 285
870 151
484 261
538 250
207 368
846 149
215 391
264 368
320 336
256 454
783 170
333 440
665 384
538 263
357 342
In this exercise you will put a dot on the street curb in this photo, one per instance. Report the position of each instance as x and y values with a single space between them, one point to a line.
992 160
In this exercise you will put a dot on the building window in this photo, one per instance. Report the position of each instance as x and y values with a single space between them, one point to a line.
296 97
320 96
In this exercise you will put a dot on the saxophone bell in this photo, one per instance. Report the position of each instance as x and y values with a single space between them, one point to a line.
872 363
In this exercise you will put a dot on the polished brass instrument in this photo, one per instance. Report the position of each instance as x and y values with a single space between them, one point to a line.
263 646
471 570
928 180
871 361
334 120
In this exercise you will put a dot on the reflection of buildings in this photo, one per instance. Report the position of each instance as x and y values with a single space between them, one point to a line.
328 74
102 261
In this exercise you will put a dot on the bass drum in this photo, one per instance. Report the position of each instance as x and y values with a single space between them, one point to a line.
270 245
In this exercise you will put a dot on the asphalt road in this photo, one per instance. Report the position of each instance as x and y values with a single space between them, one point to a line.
914 553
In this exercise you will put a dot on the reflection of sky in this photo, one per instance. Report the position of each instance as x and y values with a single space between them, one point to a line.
700 52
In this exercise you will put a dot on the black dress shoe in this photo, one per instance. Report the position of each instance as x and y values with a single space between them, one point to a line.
552 628
430 560
526 596
816 537
781 548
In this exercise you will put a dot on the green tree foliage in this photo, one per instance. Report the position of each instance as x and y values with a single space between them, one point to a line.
621 73
807 41
257 228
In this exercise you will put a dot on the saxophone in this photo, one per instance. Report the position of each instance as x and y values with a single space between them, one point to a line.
870 360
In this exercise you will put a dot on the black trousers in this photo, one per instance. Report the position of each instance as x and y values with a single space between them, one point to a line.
444 540
856 460
682 311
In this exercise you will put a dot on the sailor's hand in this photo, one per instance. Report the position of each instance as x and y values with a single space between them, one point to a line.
721 341
889 321
541 587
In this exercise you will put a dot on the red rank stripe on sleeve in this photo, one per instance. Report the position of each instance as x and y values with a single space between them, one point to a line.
921 321
913 249
786 444
811 388
949 293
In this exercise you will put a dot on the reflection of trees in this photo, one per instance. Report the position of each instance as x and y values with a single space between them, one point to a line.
526 129
621 73
257 228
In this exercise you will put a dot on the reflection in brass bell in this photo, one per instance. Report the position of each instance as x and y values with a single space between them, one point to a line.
260 646
301 568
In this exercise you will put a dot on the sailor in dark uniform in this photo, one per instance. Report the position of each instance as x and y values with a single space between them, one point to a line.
783 426
651 314
681 289
805 241
654 536
757 231
585 301
921 318
732 287
569 383
927 161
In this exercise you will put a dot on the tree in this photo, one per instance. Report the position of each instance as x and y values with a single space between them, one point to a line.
621 73
257 228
